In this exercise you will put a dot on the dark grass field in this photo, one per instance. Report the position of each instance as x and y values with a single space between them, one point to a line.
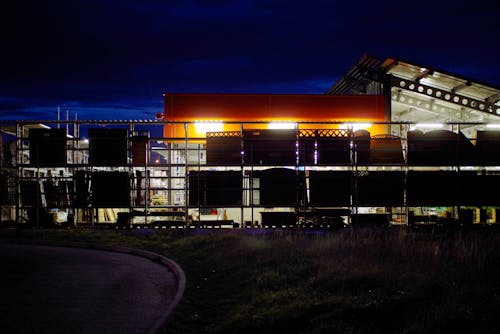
345 281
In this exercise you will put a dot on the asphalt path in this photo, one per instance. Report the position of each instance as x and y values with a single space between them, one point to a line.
48 289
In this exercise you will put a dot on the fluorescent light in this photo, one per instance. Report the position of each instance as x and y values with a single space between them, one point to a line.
429 125
208 126
281 125
356 126
493 126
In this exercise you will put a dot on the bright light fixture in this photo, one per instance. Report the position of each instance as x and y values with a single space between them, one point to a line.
493 126
429 125
356 126
208 126
281 125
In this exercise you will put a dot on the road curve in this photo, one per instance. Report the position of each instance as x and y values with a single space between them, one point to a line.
51 289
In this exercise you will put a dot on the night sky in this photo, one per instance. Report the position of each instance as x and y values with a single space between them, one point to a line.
113 59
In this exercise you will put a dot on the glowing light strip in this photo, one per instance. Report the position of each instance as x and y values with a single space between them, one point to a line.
429 125
281 125
356 126
208 126
493 126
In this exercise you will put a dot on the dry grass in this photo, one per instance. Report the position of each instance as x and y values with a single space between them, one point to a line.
347 281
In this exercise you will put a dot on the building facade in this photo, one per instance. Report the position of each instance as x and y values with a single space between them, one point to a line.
389 143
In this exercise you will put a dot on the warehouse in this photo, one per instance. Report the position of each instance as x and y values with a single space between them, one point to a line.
389 143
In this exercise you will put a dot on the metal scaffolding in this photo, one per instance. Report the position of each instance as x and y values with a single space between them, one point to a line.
127 173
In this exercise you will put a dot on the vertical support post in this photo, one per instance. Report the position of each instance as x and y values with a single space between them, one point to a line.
404 132
386 88
186 204
242 162
251 185
354 174
18 171
198 192
169 170
67 122
1 168
146 181
130 168
37 187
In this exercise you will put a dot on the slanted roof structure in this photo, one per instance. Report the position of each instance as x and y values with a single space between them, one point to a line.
421 94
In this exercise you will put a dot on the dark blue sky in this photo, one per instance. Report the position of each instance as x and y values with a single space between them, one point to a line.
113 59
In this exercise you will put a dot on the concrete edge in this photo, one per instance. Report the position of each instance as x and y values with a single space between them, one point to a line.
154 257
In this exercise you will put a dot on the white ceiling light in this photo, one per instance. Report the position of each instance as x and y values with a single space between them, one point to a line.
356 126
493 126
208 126
281 125
429 125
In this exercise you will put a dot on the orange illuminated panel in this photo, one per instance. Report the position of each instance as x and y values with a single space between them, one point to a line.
216 109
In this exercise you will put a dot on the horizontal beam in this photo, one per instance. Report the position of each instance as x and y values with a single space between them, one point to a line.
443 95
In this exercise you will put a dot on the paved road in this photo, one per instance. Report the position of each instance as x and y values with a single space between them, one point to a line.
45 289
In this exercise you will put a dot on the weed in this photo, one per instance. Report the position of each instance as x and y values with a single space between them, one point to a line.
345 281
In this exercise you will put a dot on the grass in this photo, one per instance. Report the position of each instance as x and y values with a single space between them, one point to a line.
347 281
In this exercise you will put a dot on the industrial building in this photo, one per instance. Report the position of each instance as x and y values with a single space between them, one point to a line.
389 143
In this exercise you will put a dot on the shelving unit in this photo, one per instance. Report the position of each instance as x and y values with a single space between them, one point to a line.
324 177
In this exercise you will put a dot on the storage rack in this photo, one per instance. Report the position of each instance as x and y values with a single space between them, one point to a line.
160 178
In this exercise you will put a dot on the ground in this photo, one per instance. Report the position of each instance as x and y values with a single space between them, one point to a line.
309 281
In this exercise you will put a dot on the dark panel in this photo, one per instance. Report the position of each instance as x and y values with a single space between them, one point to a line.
51 193
416 148
435 148
386 150
439 188
362 147
4 191
140 150
30 193
196 184
380 189
478 189
329 188
107 147
278 219
82 189
47 147
370 220
215 188
223 151
440 148
466 216
110 189
487 188
334 151
307 150
281 187
467 152
469 189
270 147
488 147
